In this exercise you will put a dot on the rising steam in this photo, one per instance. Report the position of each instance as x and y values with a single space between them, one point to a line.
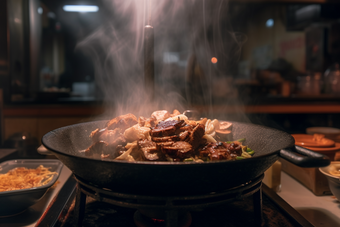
188 34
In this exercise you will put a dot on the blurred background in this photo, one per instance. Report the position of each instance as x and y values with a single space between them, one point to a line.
274 63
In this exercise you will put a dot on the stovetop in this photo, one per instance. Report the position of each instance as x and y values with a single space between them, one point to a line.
276 212
57 209
240 213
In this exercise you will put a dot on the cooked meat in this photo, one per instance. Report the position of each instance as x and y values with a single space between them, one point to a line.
175 113
165 139
105 143
111 152
166 128
177 139
110 136
147 122
150 150
184 128
96 149
221 151
123 122
114 144
184 135
96 134
162 144
195 137
235 148
159 132
176 123
148 145
178 150
216 151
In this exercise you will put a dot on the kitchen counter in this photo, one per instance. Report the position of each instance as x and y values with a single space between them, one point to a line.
318 210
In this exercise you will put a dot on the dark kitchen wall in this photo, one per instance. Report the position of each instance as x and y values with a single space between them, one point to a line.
232 75
3 48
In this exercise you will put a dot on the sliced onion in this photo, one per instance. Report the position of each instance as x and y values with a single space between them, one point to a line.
209 128
216 124
178 117
212 134
126 155
136 132
209 138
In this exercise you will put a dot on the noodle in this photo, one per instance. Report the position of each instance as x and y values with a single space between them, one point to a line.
22 178
335 172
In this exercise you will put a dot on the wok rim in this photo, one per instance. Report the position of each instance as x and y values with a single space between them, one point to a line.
163 163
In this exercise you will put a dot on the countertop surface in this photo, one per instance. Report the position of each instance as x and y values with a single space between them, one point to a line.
318 210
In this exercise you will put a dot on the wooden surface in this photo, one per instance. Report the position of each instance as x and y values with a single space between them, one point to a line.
276 109
311 178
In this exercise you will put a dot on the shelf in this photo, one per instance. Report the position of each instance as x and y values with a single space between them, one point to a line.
95 110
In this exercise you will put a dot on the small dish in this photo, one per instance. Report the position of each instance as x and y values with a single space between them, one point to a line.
43 151
323 130
325 149
308 141
329 132
332 173
329 151
18 201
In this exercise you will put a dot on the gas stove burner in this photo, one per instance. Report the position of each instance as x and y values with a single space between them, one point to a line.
159 210
141 220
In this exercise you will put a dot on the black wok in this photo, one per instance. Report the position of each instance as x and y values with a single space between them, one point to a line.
166 178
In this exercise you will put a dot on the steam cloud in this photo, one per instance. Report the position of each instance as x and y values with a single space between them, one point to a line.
188 34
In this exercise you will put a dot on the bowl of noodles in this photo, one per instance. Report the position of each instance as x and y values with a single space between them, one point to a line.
332 173
24 182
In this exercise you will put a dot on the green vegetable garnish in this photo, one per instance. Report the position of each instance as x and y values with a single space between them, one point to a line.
251 152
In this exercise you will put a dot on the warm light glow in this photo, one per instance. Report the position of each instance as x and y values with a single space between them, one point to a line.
80 8
213 60
157 221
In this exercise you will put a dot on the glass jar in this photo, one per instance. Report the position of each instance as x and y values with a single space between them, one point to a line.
309 84
332 80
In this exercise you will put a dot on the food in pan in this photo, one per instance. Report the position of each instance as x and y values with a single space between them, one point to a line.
23 178
165 137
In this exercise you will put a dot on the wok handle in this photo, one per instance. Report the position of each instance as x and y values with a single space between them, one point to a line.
304 158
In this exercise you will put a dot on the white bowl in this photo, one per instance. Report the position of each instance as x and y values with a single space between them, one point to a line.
16 201
333 180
